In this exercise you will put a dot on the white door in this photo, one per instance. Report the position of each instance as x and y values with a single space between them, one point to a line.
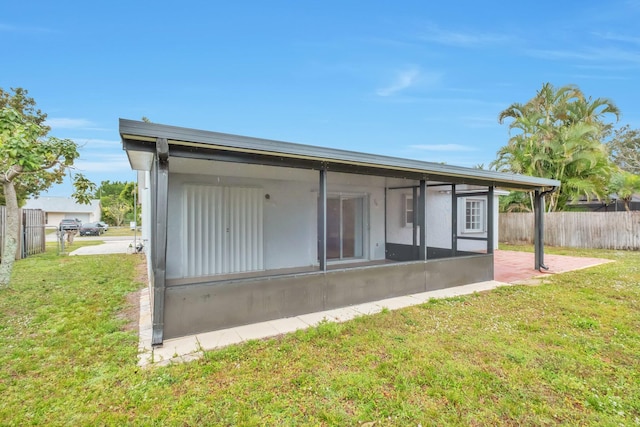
223 230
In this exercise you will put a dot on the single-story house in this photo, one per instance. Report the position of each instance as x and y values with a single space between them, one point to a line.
59 208
240 230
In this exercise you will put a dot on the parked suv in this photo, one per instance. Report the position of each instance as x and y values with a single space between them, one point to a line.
69 224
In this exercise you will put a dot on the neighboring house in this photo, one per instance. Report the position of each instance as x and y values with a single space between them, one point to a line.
241 230
59 208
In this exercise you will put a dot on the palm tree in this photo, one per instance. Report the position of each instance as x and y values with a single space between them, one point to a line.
557 134
625 185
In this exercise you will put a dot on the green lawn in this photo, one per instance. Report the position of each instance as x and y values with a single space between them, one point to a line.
120 231
113 231
565 352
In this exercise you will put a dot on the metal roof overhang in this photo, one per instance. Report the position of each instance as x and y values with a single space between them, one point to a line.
139 141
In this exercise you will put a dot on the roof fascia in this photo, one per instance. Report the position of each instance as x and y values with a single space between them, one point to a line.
141 136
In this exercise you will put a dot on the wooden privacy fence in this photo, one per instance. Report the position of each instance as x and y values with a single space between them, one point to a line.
31 233
596 230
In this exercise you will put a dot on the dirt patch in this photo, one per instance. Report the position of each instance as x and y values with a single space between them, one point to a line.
131 312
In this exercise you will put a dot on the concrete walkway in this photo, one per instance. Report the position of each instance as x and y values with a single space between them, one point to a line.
191 347
510 267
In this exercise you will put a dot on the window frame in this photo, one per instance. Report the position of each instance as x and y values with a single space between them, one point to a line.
408 214
480 212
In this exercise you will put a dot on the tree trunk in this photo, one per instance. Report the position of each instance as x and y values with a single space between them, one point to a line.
11 234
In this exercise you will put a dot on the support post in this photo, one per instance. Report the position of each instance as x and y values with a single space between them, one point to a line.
322 220
159 258
422 253
454 221
538 208
490 218
416 219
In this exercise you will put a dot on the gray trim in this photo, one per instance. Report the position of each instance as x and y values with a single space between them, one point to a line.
322 220
538 236
490 221
454 221
160 252
191 140
422 252
472 194
481 239
416 215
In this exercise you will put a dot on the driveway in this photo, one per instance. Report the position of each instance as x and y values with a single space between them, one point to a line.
108 247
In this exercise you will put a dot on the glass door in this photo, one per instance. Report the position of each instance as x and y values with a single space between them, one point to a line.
345 227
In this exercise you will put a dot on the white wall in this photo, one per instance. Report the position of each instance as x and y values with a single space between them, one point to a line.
438 219
290 210
54 218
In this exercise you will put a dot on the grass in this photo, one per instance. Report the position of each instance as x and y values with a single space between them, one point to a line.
113 231
120 231
565 352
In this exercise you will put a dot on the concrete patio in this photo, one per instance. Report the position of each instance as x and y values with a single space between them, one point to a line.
510 268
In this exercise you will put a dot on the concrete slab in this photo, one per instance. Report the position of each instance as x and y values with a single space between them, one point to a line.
397 302
514 266
312 319
109 247
256 331
288 325
343 314
218 339
176 347
367 308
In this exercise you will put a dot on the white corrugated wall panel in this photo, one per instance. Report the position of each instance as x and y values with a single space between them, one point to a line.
223 230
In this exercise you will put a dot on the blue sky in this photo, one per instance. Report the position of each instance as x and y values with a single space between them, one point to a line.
417 79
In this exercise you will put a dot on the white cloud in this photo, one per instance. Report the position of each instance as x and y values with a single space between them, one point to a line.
113 163
600 55
442 147
403 80
90 143
411 77
618 37
67 123
461 39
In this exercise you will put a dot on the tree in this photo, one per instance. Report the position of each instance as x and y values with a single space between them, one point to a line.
108 188
32 162
624 148
116 212
117 200
128 195
21 102
557 134
625 185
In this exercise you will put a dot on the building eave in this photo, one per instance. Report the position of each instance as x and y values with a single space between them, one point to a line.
139 141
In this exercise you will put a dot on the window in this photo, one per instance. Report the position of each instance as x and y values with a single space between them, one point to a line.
474 216
408 211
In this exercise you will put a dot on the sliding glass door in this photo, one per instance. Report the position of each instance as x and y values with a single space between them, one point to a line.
345 227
